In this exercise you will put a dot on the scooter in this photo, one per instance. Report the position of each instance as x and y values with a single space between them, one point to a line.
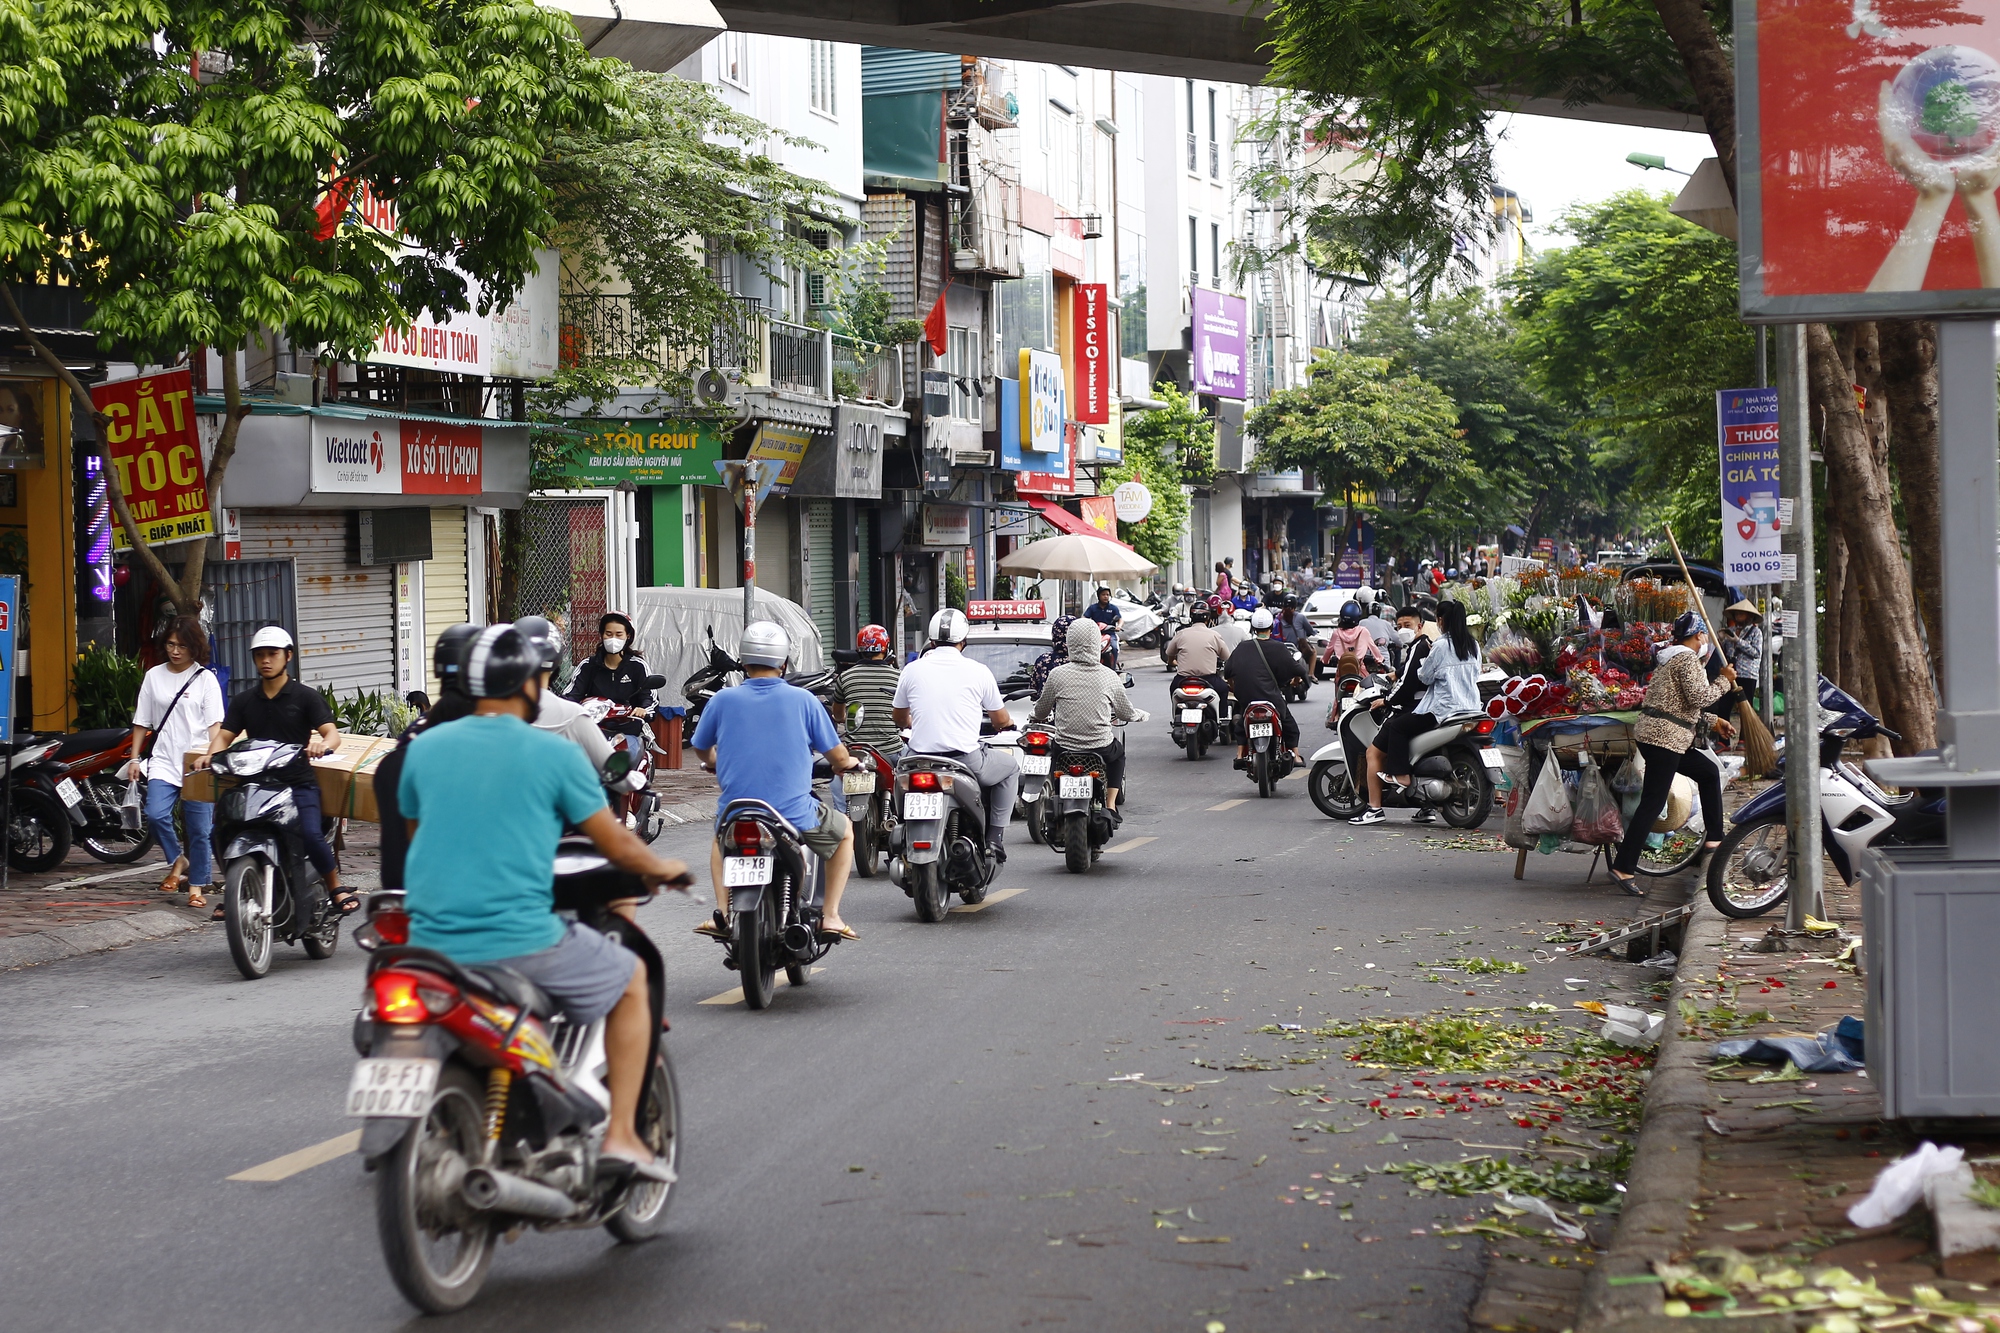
95 758
1451 771
1075 821
777 889
721 672
1199 716
40 801
1268 762
940 848
270 891
870 792
632 797
1747 873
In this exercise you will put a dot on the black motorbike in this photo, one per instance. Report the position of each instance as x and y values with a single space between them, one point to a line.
39 799
939 849
1268 762
1074 818
776 890
484 1110
708 682
271 893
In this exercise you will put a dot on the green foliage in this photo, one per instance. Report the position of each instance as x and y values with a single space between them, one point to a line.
955 592
1496 1175
1447 1043
369 713
866 318
105 685
1158 445
14 551
1635 327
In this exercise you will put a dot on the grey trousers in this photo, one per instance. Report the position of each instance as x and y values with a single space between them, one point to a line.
999 783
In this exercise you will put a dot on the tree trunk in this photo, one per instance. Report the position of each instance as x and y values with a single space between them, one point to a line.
1858 499
1834 577
1710 73
1910 392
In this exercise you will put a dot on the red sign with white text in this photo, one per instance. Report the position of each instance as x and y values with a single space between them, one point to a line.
441 459
1006 611
1095 368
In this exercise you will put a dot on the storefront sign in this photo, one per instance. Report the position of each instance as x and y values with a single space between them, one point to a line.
646 452
1219 324
10 597
1855 125
382 456
1746 424
1353 569
1101 512
1096 370
785 444
157 451
441 458
1006 610
947 525
1133 501
1041 401
1060 479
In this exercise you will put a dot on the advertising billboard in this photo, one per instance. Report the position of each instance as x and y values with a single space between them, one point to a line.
1746 428
157 450
1869 154
1041 401
1220 323
648 452
1096 368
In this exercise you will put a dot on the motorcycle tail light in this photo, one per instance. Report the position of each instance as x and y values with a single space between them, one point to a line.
1035 742
405 997
1486 728
1077 770
748 835
391 926
923 781
920 846
1190 689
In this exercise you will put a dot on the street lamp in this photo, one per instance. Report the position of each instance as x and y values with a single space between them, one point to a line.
1652 162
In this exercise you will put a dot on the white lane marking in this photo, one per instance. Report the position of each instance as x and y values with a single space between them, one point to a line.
1128 845
990 899
1231 805
305 1159
735 994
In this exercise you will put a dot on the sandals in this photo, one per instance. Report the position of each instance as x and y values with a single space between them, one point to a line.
1629 883
716 928
346 901
843 933
196 899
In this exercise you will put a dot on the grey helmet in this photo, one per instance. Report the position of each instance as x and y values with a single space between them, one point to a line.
543 636
765 644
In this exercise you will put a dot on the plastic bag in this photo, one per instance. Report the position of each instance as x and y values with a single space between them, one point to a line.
1596 821
132 810
1901 1184
1548 809
1631 775
1512 792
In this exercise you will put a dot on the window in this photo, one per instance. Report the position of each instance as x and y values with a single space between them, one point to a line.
1026 305
1214 148
1063 155
1190 129
732 51
1215 253
1194 253
962 364
820 56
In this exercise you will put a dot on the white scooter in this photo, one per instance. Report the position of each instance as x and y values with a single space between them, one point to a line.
1452 768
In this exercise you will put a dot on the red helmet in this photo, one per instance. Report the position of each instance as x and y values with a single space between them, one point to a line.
872 639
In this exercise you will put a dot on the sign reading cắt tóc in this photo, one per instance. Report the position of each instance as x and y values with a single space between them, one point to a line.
157 451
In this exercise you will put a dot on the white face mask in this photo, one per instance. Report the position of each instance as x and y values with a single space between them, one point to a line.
1406 636
613 647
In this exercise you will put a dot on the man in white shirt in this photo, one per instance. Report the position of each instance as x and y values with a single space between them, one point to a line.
940 697
565 717
1234 632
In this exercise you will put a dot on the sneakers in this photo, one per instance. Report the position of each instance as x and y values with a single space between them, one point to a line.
1425 816
1374 814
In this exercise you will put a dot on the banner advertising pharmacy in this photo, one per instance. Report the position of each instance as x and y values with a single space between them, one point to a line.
1746 427
157 450
1870 147
648 452
1219 324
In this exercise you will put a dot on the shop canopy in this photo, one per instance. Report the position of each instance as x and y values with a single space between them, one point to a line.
1068 522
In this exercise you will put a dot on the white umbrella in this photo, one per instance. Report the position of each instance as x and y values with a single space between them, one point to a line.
1074 556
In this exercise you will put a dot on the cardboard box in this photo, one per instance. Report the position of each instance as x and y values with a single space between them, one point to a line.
346 777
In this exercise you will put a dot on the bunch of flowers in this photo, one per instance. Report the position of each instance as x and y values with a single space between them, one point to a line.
1529 696
1594 685
1516 659
1634 649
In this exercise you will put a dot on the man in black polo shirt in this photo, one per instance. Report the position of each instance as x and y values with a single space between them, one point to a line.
280 709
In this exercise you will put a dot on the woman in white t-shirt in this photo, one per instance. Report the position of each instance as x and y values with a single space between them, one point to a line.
180 705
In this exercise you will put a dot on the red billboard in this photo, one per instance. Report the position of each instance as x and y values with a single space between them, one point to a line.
1096 365
442 459
150 428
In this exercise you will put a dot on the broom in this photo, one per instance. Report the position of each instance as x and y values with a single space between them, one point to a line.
1760 752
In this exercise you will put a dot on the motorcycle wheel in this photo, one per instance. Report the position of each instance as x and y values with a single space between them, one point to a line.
322 942
107 840
1678 851
1747 852
1335 796
797 974
1035 817
1472 791
251 938
437 1250
1076 842
755 952
867 841
643 1214
38 836
933 899
1262 764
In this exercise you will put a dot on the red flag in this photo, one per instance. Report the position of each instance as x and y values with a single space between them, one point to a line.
934 327
332 207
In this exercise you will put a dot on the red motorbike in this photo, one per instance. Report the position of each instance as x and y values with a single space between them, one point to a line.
870 791
92 791
634 799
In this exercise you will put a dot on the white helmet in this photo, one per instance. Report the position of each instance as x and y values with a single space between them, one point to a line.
764 644
949 626
1365 596
1260 619
271 636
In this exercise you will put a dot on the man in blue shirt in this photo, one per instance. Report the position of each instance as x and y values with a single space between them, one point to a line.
1107 614
759 738
485 799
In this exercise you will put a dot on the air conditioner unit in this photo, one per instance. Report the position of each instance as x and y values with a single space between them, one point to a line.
716 388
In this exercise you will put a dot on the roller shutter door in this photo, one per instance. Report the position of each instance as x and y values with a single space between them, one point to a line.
864 542
819 563
444 582
347 612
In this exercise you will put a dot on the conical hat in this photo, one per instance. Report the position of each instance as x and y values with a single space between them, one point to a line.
1746 606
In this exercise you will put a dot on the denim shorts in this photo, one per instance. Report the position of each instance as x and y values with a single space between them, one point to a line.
585 973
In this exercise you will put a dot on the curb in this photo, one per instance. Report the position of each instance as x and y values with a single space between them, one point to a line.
92 937
1666 1165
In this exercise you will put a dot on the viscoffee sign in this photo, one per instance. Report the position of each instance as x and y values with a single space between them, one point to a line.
1095 368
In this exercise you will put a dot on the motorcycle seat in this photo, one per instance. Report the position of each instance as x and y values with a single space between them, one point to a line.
516 989
1457 718
94 741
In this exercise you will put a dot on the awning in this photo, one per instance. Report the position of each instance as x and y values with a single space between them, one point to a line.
1069 522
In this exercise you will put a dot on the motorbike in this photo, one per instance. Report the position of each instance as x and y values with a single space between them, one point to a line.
1747 872
95 759
719 674
270 891
1451 768
871 806
632 798
39 801
1268 762
776 890
939 849
1300 684
1199 716
484 1110
1142 623
1074 819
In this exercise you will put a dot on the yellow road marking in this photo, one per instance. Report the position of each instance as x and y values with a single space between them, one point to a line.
1231 805
305 1159
735 994
1128 845
989 900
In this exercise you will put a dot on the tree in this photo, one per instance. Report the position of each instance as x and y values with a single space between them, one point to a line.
1363 431
1156 445
187 165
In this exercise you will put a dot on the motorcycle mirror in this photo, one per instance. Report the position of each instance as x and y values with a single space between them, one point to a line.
655 682
617 765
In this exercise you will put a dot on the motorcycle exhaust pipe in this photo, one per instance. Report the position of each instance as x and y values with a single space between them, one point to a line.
896 871
491 1191
1435 790
799 938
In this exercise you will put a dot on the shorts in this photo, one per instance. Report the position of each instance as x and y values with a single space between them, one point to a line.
832 831
585 973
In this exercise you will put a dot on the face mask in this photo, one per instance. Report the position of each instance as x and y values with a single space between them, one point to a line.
1406 636
1706 649
613 647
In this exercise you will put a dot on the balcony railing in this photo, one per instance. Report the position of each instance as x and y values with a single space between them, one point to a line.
1214 160
609 326
798 359
864 371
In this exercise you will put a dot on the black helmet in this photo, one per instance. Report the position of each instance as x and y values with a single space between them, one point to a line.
543 637
1291 601
499 662
448 657
1350 614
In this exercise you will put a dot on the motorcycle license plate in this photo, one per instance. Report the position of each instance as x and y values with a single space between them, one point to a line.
857 784
400 1089
1491 758
1191 716
1259 729
1035 765
923 805
1073 789
739 870
71 797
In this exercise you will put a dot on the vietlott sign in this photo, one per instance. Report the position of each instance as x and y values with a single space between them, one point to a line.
647 452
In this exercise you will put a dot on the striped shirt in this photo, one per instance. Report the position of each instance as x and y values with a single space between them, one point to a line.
873 686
